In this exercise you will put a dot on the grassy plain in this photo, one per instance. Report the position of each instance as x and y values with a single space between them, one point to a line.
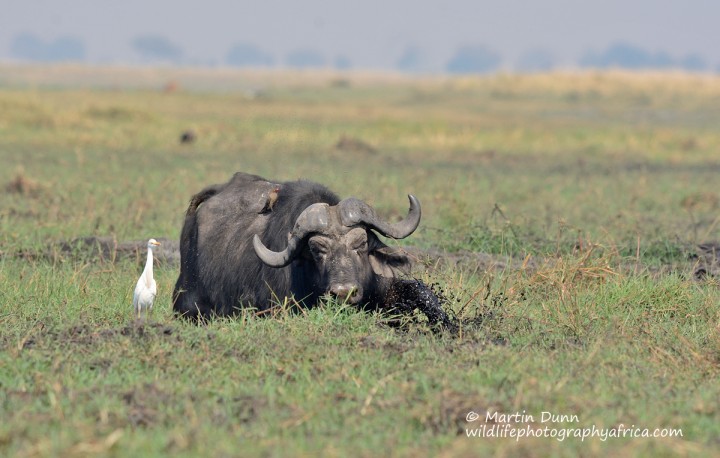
592 188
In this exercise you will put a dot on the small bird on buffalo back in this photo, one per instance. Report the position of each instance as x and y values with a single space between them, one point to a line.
271 199
146 288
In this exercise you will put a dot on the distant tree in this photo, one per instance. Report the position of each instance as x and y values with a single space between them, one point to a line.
661 60
473 59
536 60
67 49
693 63
411 60
305 58
249 55
157 48
632 57
342 63
628 56
26 46
29 47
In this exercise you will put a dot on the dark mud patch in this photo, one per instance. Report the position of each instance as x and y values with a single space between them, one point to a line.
407 296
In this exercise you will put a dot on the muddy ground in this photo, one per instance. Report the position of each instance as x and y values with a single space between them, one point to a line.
702 261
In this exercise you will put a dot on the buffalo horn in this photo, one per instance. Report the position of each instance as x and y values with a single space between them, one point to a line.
315 218
354 211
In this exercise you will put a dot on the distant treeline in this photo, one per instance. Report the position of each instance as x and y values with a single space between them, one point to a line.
466 59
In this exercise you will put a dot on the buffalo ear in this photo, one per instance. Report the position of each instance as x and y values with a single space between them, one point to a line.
389 262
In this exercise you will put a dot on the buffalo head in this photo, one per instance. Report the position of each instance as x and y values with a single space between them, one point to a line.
338 240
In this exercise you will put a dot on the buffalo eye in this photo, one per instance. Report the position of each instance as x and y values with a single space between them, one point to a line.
318 247
360 245
358 242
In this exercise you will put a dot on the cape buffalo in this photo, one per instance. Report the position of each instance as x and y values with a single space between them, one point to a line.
255 243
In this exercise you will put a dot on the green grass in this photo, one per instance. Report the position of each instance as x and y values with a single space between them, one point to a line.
591 188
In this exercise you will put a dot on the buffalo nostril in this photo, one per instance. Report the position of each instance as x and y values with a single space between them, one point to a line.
341 290
345 292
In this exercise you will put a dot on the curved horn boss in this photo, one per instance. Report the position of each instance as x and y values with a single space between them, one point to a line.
351 212
354 211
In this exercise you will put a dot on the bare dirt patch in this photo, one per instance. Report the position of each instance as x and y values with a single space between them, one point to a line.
22 185
88 335
451 411
239 409
142 404
108 249
702 261
85 334
354 145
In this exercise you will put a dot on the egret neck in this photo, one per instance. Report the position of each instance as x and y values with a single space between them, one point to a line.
148 272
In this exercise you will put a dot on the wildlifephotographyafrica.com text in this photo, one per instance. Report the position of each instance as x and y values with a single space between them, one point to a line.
519 425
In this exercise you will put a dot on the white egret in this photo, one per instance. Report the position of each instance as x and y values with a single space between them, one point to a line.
146 288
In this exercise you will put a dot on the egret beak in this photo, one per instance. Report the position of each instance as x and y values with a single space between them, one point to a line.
156 243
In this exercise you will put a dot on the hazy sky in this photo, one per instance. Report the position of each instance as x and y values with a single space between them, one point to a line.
370 33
